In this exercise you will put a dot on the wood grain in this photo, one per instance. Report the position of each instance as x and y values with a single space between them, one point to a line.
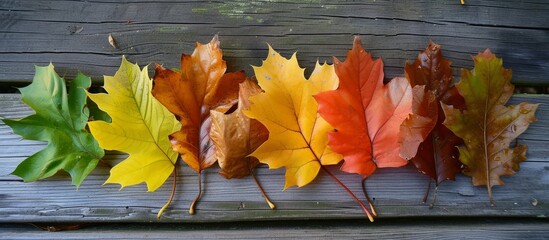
396 192
417 229
74 34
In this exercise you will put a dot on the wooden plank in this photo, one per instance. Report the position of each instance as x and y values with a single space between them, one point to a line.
73 34
396 192
417 229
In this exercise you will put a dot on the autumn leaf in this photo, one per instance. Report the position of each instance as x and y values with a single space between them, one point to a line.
60 119
415 129
366 114
297 134
235 136
140 127
437 157
487 126
190 93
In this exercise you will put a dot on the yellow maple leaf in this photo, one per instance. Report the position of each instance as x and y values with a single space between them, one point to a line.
140 127
297 134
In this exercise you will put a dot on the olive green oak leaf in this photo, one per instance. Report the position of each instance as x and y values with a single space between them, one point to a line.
487 126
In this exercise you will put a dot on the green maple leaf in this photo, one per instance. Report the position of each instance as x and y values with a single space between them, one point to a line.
60 120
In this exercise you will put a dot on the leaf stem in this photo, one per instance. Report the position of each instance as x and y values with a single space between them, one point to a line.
271 204
174 186
427 192
349 192
193 204
368 197
432 205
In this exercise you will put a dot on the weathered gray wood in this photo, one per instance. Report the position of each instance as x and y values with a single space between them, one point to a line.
410 229
397 192
73 34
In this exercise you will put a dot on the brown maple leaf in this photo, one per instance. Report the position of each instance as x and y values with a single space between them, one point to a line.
236 136
437 156
200 86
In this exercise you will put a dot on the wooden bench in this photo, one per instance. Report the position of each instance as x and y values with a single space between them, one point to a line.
74 35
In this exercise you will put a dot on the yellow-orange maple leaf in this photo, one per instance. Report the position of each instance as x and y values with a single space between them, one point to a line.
297 134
